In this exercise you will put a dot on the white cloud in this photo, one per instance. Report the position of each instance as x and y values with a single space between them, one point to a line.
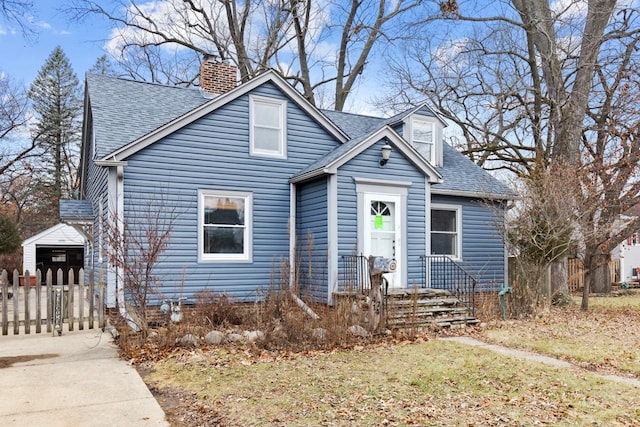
569 9
3 32
447 55
175 19
43 25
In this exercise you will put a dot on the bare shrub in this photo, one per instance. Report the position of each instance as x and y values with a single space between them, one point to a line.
134 248
488 306
217 310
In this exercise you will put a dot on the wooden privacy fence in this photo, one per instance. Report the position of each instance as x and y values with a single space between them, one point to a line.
28 304
575 273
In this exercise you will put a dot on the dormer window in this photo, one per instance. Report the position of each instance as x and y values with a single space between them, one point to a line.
423 138
268 127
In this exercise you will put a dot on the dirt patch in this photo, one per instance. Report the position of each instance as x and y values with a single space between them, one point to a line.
183 408
7 362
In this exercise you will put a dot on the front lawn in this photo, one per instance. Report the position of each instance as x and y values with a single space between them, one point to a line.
428 383
606 337
423 381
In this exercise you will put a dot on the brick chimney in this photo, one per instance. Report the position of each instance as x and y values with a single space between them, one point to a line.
217 77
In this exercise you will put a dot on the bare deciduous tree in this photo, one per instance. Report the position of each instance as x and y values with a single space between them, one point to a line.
14 109
18 12
312 44
134 247
532 85
516 76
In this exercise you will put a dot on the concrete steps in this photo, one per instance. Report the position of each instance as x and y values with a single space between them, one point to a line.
426 307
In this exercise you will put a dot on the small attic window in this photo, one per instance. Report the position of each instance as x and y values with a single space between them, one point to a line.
422 138
268 127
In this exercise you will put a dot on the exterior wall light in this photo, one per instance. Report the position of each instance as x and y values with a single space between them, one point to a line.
386 153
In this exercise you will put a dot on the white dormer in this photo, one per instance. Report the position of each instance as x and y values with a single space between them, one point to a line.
425 134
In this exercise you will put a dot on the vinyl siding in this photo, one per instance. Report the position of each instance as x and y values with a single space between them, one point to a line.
366 165
483 253
312 240
96 190
212 153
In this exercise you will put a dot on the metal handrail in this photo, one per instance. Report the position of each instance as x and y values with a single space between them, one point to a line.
354 274
442 272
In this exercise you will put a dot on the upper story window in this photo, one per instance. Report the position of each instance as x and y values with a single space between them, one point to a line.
268 127
445 231
423 138
224 226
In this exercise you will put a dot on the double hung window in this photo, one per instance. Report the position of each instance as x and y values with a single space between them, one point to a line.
225 226
422 137
268 130
445 231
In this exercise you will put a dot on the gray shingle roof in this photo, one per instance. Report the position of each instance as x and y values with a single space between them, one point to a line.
75 211
124 110
460 175
353 125
333 155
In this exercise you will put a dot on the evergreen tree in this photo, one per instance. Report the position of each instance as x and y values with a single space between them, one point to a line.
9 238
103 66
56 97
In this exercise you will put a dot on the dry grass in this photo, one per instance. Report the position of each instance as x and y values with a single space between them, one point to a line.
607 337
422 382
428 383
286 326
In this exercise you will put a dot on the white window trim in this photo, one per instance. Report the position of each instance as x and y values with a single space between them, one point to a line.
415 120
458 211
282 105
247 256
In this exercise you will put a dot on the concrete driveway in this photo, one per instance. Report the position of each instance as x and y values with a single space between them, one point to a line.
76 379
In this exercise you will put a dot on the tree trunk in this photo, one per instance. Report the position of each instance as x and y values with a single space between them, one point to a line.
600 278
559 277
585 292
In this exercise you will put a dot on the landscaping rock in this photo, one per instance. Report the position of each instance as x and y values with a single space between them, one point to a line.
358 331
214 337
253 336
235 338
189 340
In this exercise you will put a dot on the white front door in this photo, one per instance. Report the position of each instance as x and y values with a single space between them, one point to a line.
382 231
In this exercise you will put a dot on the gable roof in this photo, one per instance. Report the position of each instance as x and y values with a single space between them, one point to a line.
66 235
345 152
460 176
167 109
125 110
130 115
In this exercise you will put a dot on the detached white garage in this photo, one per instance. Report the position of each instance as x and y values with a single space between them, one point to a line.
60 246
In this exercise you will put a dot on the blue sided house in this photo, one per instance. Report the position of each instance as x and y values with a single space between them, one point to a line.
260 187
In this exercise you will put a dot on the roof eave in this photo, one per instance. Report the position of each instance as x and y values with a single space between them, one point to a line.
474 194
310 175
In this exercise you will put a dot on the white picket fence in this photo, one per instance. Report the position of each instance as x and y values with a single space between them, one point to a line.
28 303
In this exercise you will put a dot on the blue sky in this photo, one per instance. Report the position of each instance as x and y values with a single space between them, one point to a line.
21 57
83 42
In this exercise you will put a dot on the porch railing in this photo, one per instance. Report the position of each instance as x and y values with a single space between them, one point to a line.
354 274
441 272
